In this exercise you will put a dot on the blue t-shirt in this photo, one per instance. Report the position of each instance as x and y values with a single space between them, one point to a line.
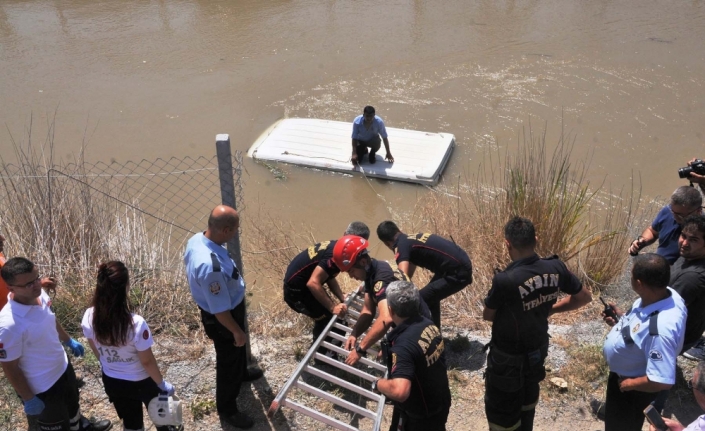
668 233
214 291
362 133
651 355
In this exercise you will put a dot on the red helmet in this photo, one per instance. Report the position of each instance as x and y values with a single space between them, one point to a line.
347 250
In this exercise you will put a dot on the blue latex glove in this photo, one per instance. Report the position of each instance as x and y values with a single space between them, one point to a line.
34 406
166 387
75 347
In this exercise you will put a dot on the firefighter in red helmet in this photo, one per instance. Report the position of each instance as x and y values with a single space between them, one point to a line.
350 255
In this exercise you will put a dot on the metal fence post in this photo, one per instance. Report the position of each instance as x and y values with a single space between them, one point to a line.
227 195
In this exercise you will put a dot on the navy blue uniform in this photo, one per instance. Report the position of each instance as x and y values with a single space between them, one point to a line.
451 266
523 295
378 278
297 295
417 355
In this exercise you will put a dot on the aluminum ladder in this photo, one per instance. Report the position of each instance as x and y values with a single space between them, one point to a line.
375 371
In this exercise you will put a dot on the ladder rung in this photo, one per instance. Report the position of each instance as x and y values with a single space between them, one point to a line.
320 417
340 382
345 367
344 352
335 400
336 336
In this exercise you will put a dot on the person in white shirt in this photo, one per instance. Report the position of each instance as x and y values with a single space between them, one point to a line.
32 358
122 341
698 386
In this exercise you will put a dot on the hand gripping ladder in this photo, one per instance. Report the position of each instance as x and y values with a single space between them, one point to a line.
354 303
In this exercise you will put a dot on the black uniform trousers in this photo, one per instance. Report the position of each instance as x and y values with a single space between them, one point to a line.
512 388
436 422
61 409
373 144
128 396
303 302
230 361
440 287
624 411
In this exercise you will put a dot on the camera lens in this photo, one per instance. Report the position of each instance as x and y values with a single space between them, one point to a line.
684 172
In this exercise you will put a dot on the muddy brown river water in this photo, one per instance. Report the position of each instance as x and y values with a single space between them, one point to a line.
160 78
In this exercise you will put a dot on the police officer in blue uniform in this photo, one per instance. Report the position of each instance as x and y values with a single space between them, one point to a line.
642 346
519 303
219 291
450 264
418 379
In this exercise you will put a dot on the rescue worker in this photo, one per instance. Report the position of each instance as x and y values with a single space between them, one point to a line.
350 255
303 286
32 358
219 291
642 346
519 303
450 264
418 380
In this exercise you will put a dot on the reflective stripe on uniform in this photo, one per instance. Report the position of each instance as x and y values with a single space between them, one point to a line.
528 407
495 427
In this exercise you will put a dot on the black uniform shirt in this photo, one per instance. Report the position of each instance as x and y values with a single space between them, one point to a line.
417 355
301 267
523 295
430 251
378 278
688 279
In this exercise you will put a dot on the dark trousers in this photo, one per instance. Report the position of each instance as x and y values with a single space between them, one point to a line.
434 423
624 411
373 144
128 396
512 388
440 287
303 302
61 411
230 361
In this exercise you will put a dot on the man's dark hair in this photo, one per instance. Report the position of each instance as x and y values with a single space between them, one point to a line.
387 230
695 222
358 228
14 267
687 196
369 110
652 270
520 233
700 383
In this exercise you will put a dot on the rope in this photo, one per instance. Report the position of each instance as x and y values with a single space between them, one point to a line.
315 157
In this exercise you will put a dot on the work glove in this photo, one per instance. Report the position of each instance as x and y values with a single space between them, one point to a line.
75 347
166 387
34 406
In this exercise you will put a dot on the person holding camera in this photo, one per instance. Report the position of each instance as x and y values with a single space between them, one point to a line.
666 227
694 172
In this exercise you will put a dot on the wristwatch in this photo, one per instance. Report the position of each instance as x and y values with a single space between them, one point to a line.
359 351
374 386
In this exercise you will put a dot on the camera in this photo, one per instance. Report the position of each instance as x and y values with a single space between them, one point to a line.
698 167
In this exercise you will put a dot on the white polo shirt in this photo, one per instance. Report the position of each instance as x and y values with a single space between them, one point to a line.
121 362
28 333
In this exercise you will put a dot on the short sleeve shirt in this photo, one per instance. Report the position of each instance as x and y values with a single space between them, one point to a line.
668 233
215 282
28 333
378 278
651 355
430 251
417 355
697 425
362 133
688 279
523 295
121 362
302 266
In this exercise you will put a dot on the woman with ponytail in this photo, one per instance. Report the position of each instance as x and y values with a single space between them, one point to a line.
122 341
